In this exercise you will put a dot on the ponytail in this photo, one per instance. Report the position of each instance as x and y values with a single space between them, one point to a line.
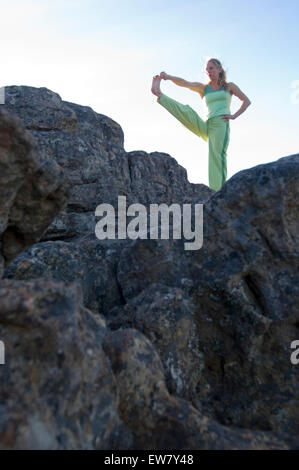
222 83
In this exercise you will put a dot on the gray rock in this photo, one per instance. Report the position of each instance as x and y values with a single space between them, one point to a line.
159 420
89 147
166 317
91 263
199 355
57 387
243 283
33 189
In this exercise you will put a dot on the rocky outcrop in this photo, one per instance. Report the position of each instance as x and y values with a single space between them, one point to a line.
90 148
57 388
159 420
243 284
162 347
33 189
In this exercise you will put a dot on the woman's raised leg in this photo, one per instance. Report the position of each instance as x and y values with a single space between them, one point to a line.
186 115
183 112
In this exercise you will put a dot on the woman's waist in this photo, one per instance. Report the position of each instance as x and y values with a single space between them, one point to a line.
218 113
217 121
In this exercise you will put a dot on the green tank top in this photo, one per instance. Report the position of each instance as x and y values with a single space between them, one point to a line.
217 101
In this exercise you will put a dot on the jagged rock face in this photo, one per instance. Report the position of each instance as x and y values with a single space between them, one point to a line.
193 346
248 292
33 189
29 103
159 420
243 284
166 317
89 262
57 389
89 147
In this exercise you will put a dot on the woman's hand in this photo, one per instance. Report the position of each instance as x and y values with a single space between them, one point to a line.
164 75
228 116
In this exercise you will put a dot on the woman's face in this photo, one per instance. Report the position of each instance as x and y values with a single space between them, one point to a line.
212 71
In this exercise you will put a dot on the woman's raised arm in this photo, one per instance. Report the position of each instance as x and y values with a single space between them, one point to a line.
194 86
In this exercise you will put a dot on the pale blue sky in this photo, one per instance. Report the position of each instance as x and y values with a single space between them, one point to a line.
104 54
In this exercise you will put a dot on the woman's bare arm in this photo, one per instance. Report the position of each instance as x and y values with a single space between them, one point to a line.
246 101
194 86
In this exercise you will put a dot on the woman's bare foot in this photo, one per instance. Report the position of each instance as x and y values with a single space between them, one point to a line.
156 86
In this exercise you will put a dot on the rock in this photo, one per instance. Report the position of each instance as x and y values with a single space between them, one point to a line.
159 420
198 341
91 263
57 387
33 189
244 286
166 317
89 147
247 297
29 104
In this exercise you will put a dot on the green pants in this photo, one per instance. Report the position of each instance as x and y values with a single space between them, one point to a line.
215 131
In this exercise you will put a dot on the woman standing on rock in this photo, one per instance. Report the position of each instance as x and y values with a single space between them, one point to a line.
216 130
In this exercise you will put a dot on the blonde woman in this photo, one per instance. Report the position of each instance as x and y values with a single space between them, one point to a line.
216 129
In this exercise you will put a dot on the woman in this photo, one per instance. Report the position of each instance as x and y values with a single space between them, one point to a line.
216 130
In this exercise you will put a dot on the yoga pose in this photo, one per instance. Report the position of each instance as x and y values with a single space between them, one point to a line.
216 130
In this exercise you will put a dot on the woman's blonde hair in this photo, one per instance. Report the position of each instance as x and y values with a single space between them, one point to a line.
222 74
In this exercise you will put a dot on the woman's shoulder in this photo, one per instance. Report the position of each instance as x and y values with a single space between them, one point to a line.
204 89
230 86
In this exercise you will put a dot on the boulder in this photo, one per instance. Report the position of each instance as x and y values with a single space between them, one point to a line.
140 343
34 189
57 387
159 420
